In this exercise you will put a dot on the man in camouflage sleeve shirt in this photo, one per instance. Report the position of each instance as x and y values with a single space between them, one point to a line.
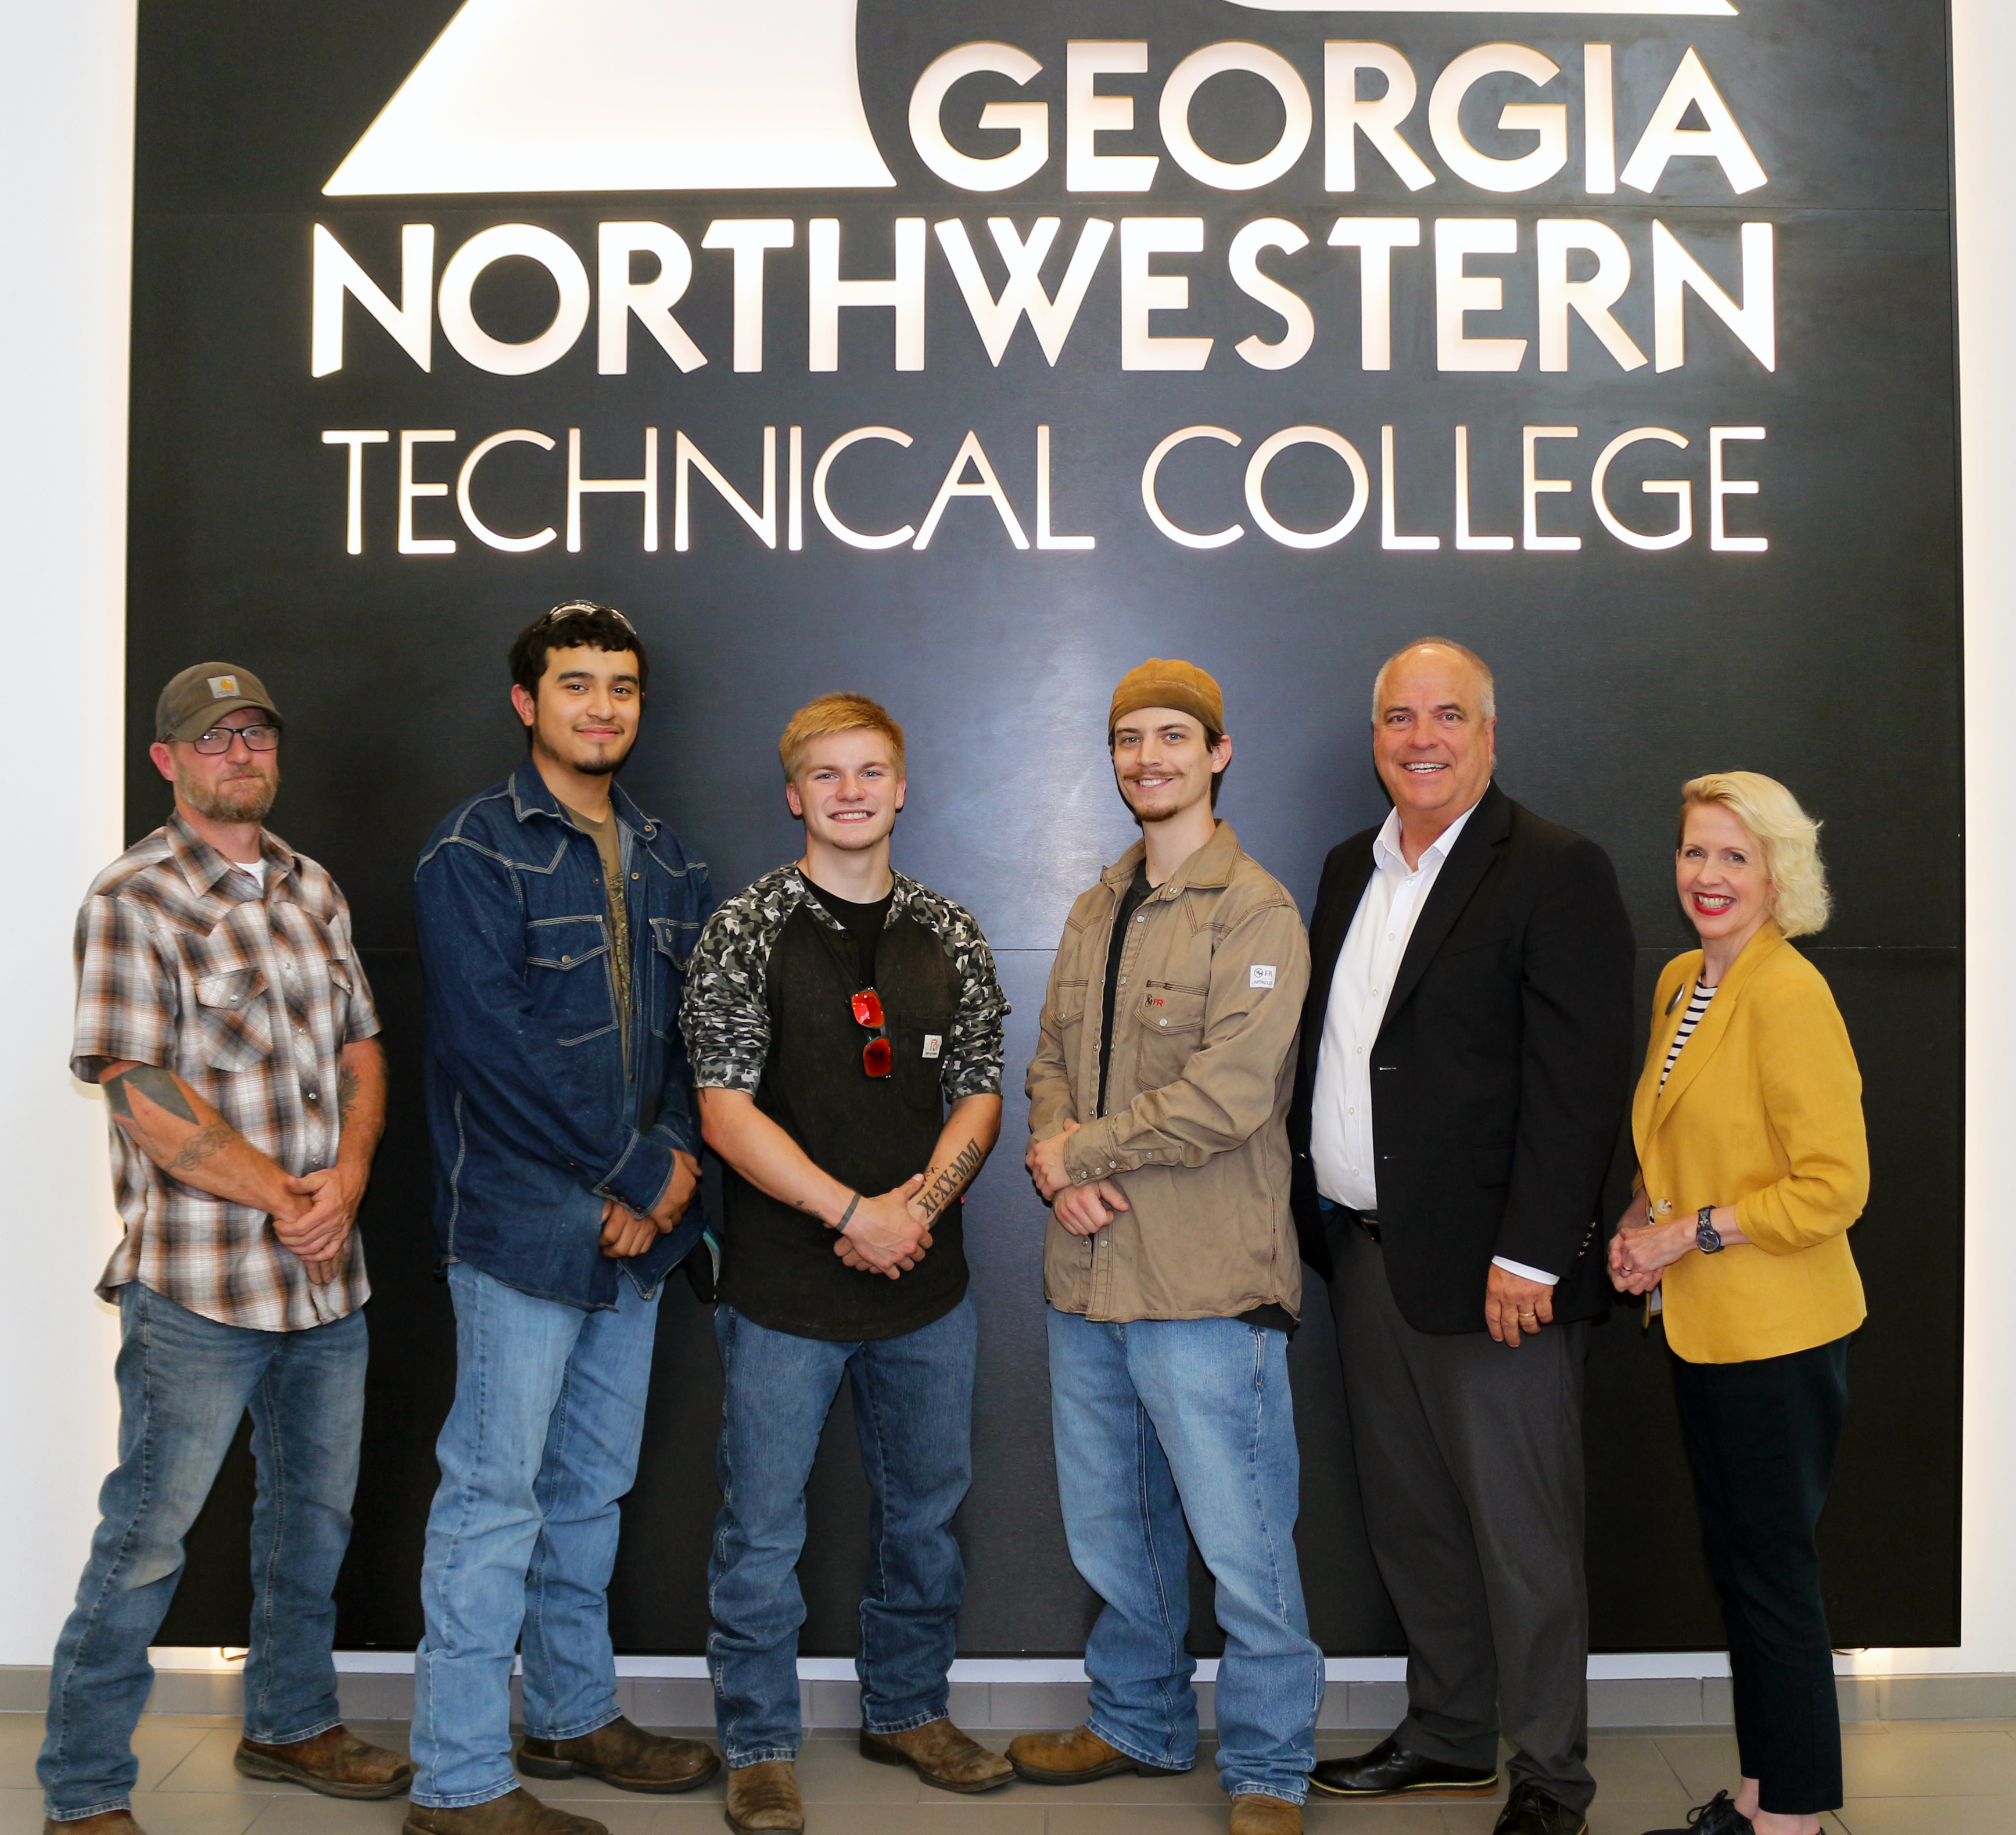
221 1009
832 1010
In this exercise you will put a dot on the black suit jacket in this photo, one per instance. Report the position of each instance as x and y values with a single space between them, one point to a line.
1501 1070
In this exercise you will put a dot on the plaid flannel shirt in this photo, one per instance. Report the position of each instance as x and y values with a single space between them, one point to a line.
248 997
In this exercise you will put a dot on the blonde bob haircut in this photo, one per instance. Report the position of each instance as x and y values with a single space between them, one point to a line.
1789 838
837 713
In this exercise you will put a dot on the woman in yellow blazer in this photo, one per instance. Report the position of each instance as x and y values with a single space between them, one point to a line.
1752 1164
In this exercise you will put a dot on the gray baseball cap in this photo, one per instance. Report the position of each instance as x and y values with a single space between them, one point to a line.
202 694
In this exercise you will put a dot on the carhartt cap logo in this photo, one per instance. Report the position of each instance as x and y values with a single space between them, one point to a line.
222 687
519 95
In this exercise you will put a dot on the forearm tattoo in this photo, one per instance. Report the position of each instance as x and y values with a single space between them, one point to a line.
157 1085
348 1084
204 1143
950 1182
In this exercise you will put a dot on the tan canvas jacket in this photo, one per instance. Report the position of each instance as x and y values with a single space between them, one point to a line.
1213 972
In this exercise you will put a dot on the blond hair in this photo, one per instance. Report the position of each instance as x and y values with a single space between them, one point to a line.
1789 837
837 713
1488 690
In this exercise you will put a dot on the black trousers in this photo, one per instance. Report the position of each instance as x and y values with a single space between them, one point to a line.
1762 1438
1470 1464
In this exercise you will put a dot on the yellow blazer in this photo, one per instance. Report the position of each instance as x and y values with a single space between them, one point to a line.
1763 1111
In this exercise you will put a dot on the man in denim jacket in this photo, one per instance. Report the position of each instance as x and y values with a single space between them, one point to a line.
555 917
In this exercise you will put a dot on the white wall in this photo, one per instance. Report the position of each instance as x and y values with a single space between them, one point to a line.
66 133
66 151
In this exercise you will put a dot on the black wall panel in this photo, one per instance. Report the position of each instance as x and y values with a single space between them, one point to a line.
1832 661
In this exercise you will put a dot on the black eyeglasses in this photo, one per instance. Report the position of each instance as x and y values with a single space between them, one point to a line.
585 608
217 741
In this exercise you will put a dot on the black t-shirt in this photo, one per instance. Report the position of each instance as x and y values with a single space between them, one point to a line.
1275 1318
863 923
778 1265
1131 901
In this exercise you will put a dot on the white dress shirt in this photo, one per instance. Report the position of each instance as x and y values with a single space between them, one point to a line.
1340 1113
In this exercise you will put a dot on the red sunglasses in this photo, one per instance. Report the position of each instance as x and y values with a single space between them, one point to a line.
878 1056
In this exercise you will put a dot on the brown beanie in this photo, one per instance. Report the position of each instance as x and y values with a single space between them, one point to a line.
1166 682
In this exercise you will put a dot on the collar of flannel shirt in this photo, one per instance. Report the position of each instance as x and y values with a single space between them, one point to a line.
202 866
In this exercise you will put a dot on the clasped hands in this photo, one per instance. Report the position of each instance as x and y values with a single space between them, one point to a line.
626 1232
321 1235
1640 1253
1084 1210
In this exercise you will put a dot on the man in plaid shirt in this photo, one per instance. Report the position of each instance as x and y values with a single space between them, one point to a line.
221 1010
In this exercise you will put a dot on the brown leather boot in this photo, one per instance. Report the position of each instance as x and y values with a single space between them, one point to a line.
1256 1815
517 1812
111 1822
624 1755
335 1762
1076 1757
940 1754
763 1798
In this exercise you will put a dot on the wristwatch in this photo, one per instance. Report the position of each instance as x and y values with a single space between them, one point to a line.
1707 1238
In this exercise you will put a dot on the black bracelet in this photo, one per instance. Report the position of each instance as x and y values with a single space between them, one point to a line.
849 1212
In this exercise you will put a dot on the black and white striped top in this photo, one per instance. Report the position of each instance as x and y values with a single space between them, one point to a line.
1689 1020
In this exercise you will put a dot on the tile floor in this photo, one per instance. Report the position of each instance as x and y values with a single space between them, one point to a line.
1904 1778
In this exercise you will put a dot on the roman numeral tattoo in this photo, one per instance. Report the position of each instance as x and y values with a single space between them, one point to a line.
950 1182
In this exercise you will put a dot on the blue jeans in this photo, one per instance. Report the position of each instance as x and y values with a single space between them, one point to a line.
184 1382
1159 1421
537 1451
913 1413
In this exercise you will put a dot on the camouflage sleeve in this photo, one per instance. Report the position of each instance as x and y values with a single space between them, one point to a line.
725 1016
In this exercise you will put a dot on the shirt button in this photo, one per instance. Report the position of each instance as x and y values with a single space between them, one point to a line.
565 960
311 1096
1351 1112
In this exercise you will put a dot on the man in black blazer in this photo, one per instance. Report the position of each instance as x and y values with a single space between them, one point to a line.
1465 1060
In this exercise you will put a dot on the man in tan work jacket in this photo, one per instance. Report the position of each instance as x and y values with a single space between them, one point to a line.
1157 1101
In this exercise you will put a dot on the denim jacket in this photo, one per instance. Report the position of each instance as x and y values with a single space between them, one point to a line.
536 1115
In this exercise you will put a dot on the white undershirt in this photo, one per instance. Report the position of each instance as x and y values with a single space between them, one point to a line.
256 868
1341 1116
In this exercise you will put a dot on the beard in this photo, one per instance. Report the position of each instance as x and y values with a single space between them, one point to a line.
237 799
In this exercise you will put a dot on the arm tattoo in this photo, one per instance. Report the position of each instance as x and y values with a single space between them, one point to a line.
157 1085
348 1084
204 1143
948 1183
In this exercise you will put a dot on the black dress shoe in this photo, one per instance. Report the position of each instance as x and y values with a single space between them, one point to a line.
1389 1769
1534 1811
1717 1816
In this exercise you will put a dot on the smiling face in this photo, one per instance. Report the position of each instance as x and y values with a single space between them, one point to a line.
1435 746
1725 888
237 785
846 788
584 715
1162 764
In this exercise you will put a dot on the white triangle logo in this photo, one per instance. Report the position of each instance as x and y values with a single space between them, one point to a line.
522 96
626 96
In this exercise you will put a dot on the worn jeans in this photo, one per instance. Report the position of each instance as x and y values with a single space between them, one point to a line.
1158 1422
537 1453
913 1415
184 1383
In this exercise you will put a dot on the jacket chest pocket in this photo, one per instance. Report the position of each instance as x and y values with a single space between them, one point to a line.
566 972
1170 1019
671 948
234 1029
1068 1015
